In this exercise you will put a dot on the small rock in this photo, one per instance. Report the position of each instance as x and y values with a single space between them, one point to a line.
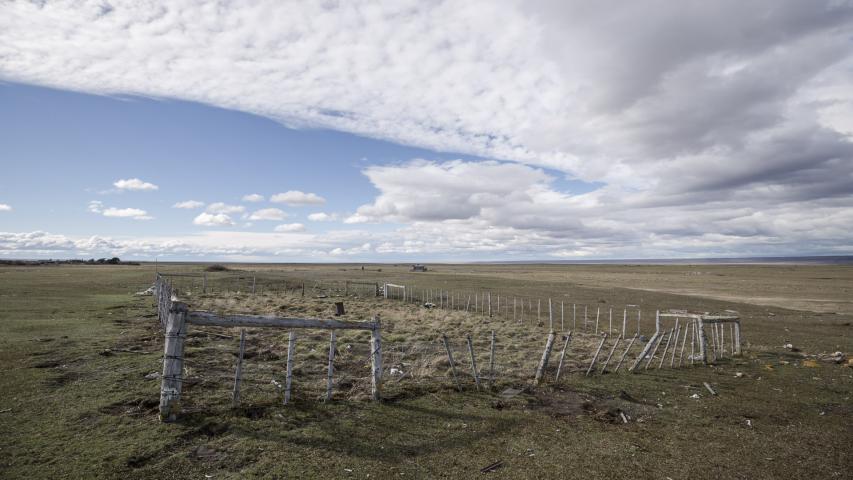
695 395
739 375
152 375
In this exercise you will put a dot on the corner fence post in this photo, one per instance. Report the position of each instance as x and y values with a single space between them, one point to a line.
173 363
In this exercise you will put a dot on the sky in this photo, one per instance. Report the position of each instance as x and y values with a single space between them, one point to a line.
299 131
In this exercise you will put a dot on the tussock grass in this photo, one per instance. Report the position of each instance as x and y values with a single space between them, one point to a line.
76 346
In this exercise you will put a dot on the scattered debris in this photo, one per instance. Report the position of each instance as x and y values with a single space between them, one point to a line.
739 375
708 386
203 452
6 410
624 418
148 291
836 357
429 305
696 395
510 393
749 423
492 467
396 371
810 363
152 375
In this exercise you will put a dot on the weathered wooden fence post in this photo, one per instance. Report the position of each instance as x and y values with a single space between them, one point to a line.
173 363
376 348
238 374
492 361
610 355
595 357
473 361
550 317
450 359
700 333
546 355
562 357
648 345
331 375
627 349
288 379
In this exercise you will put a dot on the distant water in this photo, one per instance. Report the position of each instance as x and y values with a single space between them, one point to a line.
816 260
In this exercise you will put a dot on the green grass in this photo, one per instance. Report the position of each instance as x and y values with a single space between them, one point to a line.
72 411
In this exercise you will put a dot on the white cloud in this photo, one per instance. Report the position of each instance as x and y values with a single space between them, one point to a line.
296 198
220 207
707 120
290 227
268 214
5 208
213 220
253 197
134 184
189 204
95 206
134 213
322 217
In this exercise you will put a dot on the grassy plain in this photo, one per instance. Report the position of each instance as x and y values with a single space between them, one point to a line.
76 346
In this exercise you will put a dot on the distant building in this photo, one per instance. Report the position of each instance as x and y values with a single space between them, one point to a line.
419 268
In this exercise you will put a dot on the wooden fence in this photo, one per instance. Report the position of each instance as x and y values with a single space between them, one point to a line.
174 317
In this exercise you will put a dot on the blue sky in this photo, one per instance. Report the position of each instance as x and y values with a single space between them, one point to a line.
457 131
71 147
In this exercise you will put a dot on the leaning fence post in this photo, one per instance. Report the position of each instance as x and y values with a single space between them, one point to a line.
473 362
376 348
675 345
330 379
595 357
655 350
562 357
546 355
648 345
239 373
627 349
683 342
450 359
610 355
666 347
173 363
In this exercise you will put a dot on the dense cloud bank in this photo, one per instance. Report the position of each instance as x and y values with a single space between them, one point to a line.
712 127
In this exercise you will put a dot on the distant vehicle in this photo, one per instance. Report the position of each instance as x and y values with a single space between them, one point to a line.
419 268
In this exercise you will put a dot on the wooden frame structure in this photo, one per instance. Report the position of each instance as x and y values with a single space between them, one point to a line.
699 321
175 317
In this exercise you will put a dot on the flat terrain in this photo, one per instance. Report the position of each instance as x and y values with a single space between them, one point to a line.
78 350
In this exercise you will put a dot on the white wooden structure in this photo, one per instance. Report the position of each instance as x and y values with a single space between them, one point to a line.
176 317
